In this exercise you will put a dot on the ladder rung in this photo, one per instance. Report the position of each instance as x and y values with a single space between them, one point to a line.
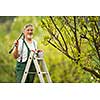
36 72
44 72
32 72
39 58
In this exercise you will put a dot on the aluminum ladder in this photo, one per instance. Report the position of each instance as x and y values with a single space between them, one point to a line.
33 56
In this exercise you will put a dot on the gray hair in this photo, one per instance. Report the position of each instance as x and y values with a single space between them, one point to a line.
27 25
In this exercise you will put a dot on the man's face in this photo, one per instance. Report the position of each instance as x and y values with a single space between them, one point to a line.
28 32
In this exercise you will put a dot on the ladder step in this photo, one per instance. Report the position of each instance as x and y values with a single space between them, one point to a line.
44 72
36 72
32 72
39 58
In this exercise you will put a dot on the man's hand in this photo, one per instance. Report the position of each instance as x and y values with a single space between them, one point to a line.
15 51
16 43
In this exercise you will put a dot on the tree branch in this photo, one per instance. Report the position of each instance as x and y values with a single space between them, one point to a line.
59 33
50 32
75 34
92 72
66 21
97 26
54 45
96 47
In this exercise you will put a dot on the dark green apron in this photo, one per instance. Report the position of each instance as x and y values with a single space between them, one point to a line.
20 67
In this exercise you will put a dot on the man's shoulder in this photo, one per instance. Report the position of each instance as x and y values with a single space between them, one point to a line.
34 41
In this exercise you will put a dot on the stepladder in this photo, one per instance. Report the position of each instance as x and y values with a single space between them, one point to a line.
39 63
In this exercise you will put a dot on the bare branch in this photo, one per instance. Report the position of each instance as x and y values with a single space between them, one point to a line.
59 33
75 34
97 26
71 27
96 47
50 32
54 45
64 52
92 72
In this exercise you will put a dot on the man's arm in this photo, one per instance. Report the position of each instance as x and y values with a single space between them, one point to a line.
15 51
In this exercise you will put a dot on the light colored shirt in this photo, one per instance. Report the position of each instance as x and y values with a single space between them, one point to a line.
32 46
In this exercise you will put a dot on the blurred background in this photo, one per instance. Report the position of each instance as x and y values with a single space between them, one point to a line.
61 67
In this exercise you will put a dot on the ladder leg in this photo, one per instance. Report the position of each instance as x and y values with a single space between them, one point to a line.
40 75
27 67
46 70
